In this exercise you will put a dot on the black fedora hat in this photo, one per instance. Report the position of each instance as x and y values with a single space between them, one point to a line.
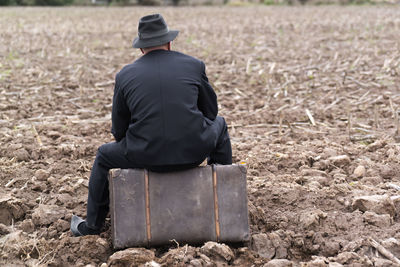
153 31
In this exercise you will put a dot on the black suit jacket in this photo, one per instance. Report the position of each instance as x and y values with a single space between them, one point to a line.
163 110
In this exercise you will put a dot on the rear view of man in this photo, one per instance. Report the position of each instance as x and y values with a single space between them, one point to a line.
164 118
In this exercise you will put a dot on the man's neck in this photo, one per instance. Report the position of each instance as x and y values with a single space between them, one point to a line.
166 47
153 49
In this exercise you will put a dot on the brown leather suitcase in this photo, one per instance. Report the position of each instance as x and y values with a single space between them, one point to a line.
193 206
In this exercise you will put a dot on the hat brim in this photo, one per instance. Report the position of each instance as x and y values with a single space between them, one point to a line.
143 43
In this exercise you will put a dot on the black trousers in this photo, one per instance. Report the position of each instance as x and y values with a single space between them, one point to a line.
111 156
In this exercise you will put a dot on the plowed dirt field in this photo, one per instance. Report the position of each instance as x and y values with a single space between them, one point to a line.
311 96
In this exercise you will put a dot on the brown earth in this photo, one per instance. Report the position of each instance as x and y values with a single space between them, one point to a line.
311 95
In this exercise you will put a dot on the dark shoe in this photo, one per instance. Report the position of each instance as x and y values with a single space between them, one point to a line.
79 227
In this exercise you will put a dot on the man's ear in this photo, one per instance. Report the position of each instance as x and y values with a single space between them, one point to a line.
169 46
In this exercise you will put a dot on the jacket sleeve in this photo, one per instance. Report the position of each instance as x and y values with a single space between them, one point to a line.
207 101
120 115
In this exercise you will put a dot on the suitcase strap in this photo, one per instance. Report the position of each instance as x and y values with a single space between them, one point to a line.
216 213
147 200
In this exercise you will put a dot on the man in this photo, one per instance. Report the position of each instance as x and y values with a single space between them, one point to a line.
164 118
